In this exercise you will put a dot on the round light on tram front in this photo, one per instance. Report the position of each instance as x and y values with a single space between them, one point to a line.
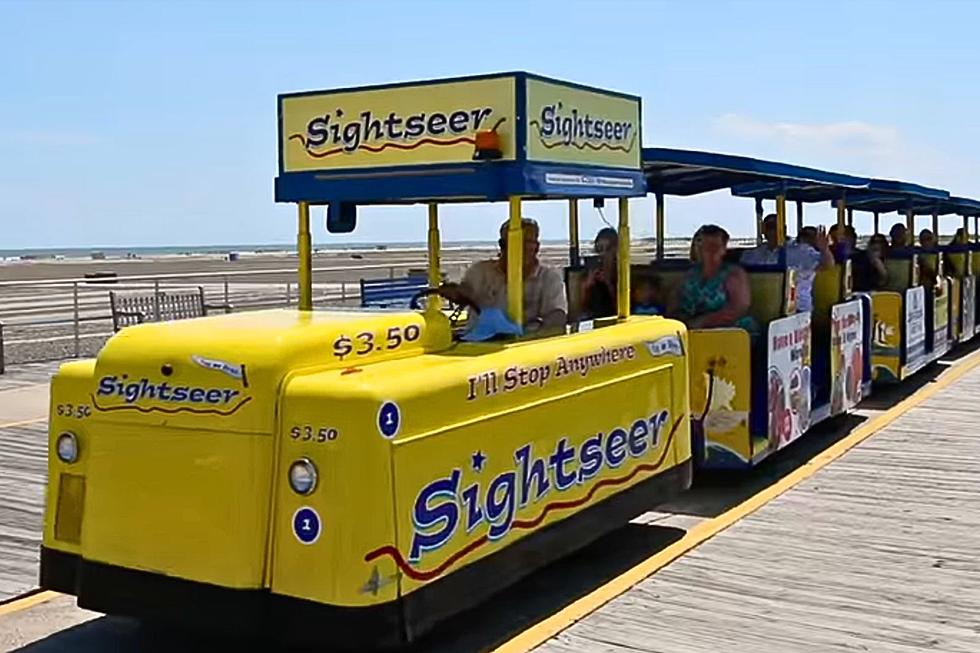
67 447
302 476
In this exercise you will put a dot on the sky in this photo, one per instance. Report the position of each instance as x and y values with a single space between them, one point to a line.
154 123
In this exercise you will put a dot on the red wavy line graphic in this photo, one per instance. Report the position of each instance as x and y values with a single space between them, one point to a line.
171 411
384 146
586 144
415 574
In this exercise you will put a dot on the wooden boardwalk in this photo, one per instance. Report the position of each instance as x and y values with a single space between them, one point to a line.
879 551
23 474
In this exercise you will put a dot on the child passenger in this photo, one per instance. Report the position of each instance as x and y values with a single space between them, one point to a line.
648 297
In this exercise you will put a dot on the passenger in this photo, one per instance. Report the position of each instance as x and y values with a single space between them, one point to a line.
648 296
485 285
599 289
808 236
696 247
851 237
714 293
806 260
839 245
868 267
961 237
899 235
927 240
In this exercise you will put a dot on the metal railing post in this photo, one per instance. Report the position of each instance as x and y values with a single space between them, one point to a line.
226 293
289 293
156 300
2 357
77 326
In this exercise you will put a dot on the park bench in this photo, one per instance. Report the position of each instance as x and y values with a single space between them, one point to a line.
132 308
392 293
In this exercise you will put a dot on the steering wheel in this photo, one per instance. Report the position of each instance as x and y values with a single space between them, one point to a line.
457 309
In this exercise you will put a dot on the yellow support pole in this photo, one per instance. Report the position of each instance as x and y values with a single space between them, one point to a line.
573 237
799 217
435 267
841 210
781 219
515 263
623 274
661 226
304 248
910 225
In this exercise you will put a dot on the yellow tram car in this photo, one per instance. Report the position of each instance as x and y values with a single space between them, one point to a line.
373 472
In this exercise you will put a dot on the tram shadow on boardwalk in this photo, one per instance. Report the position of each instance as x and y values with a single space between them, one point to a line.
550 589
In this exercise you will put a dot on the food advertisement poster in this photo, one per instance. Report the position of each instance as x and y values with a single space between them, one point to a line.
969 306
789 379
915 327
846 356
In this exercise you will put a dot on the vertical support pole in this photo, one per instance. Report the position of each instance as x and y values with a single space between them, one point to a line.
623 274
758 220
976 229
841 212
780 219
435 267
799 217
156 299
850 217
574 256
935 225
515 262
877 223
304 246
910 225
966 229
77 317
661 226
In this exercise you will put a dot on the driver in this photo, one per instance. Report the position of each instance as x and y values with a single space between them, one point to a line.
485 284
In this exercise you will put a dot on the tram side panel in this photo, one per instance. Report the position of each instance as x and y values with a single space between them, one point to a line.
500 458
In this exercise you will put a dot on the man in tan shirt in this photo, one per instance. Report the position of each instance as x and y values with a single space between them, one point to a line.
485 284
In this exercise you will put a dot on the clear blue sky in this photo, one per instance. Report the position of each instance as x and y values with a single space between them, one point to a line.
140 123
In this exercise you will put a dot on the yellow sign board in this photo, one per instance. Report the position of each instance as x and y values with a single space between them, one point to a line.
395 126
572 125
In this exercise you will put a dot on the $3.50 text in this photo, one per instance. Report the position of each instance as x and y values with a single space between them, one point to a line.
366 342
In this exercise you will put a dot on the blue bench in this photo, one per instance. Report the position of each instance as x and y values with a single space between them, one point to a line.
391 293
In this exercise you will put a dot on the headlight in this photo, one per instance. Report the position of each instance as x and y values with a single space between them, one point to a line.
67 447
302 476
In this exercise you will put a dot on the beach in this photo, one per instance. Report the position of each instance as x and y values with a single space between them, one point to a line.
53 308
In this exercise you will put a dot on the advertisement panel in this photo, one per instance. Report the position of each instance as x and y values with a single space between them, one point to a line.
915 328
567 124
393 126
846 356
788 379
969 311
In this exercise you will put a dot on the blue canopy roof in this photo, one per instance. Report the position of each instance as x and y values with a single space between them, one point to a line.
690 172
886 195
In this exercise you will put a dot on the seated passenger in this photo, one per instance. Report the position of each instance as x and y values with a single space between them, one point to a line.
599 289
647 296
808 236
485 285
806 260
899 235
714 293
927 240
696 247
868 267
961 237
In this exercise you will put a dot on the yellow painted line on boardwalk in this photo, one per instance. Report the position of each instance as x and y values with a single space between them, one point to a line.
26 602
23 422
548 628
